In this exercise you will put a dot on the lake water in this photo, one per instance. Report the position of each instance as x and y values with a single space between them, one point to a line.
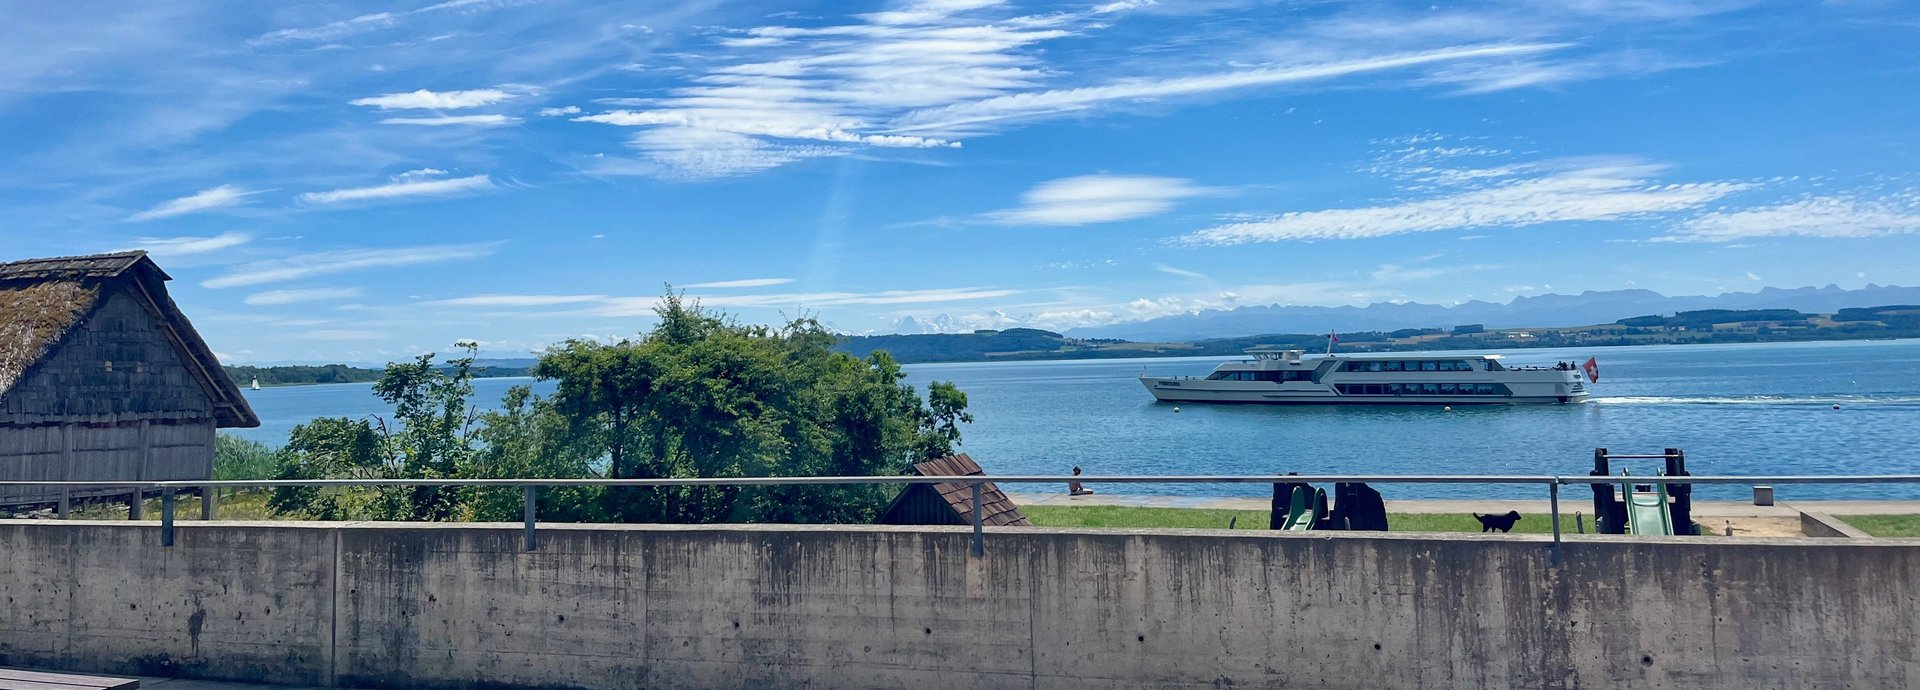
1734 409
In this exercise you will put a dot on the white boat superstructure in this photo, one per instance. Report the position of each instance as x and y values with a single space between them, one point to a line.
1283 376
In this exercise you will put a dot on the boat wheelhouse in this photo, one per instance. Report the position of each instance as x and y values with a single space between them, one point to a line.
1284 376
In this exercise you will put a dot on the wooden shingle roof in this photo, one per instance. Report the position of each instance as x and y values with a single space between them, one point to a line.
996 509
42 300
76 267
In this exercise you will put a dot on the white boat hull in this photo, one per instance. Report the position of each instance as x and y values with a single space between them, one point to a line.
1184 390
1287 379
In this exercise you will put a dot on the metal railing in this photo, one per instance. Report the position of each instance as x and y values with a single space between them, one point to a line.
530 487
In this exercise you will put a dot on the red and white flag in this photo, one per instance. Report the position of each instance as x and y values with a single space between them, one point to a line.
1332 338
1592 367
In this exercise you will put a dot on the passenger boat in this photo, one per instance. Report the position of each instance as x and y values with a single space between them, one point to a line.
1283 376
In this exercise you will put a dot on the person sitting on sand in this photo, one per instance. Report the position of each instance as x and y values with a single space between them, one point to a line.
1074 488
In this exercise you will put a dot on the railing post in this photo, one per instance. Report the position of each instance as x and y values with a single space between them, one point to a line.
979 537
137 508
166 516
66 502
529 491
209 503
1553 501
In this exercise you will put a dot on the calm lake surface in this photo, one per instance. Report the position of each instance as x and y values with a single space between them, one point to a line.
1734 409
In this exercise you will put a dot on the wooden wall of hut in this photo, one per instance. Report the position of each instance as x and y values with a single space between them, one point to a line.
115 401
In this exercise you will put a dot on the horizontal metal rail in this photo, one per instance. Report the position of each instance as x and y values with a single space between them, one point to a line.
531 486
1000 479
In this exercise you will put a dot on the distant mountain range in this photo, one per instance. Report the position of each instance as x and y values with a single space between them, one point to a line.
1549 310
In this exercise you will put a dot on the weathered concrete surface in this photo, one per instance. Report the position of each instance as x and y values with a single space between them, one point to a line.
1815 524
237 601
405 606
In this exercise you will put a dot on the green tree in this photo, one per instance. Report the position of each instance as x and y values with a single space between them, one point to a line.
699 395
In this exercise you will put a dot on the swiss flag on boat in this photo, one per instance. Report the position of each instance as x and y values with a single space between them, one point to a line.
1592 367
1332 337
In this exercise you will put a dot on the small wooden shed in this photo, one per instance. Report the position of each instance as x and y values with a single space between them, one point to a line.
103 379
951 503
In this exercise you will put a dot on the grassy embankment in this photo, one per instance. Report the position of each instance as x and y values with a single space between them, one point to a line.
1205 518
1885 525
253 506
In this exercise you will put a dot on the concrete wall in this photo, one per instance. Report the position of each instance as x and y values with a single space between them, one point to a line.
404 606
1828 526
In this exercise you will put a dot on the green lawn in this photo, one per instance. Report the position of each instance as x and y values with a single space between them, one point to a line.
1129 516
1885 525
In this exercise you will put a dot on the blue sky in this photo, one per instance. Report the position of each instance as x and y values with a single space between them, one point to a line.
351 181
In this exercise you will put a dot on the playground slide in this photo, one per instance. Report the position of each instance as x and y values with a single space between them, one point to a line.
1647 512
1300 512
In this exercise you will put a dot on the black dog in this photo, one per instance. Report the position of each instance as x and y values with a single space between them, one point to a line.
1504 523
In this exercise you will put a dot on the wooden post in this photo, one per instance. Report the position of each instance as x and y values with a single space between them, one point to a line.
209 500
137 506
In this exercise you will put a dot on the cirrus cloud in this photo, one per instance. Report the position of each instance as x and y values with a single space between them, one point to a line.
1088 199
206 199
1594 192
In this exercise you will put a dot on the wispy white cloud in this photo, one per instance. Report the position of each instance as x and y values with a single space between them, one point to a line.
361 23
184 246
1811 216
345 334
1592 192
561 111
1163 268
343 261
434 100
445 120
206 199
964 117
271 297
518 300
1096 199
742 283
401 187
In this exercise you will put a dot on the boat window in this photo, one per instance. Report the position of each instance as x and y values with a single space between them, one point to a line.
1429 366
1449 389
1391 366
1484 389
1429 389
1494 365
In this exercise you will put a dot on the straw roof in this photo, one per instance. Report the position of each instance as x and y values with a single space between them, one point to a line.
42 300
33 316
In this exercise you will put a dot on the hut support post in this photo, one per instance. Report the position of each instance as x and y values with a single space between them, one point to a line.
979 538
66 502
137 505
529 495
166 517
209 500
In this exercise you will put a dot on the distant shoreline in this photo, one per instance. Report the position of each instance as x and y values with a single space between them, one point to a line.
1083 356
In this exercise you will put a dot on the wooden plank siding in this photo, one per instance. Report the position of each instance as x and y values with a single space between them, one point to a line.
123 393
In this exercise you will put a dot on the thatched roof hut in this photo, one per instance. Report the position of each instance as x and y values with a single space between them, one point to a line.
102 377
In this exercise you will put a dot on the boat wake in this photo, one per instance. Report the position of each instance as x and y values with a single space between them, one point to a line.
1842 400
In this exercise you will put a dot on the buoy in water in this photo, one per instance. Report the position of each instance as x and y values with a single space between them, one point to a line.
1448 408
1836 406
1176 409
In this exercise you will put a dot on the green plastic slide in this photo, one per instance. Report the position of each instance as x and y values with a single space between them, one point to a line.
1300 509
1647 511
